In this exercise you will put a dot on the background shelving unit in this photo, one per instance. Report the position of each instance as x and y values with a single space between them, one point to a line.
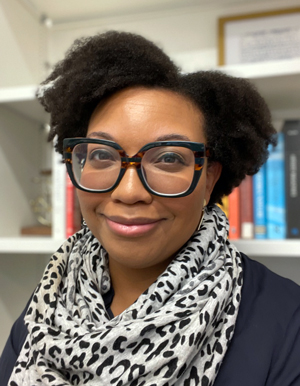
24 127
188 33
278 82
269 248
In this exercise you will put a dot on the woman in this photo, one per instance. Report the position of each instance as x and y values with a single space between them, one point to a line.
150 291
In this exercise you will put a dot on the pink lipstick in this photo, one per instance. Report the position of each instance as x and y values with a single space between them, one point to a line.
131 228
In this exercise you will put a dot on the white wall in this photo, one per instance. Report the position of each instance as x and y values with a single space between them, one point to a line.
20 157
22 53
180 32
19 275
22 45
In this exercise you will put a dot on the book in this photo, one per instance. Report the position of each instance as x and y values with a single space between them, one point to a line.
275 180
58 197
246 208
259 204
225 205
69 207
291 131
234 214
73 215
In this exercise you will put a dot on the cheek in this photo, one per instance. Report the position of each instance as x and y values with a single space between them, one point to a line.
186 211
97 180
89 202
194 202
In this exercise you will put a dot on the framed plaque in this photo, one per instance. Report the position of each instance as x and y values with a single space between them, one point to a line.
259 37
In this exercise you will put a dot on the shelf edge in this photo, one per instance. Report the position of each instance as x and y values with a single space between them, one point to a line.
269 248
37 245
17 94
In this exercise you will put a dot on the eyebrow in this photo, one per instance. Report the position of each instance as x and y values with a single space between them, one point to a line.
166 137
173 137
101 134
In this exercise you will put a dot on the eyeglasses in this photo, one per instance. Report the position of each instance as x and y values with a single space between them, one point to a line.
167 168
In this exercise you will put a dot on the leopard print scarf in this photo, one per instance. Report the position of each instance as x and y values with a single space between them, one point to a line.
176 333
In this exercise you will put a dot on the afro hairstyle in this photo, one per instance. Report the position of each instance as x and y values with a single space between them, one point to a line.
237 121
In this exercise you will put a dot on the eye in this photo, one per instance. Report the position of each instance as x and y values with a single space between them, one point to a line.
102 158
170 158
101 155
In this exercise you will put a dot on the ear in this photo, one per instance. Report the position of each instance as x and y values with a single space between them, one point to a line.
213 172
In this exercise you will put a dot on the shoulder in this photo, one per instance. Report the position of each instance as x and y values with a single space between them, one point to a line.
265 348
264 288
270 305
12 348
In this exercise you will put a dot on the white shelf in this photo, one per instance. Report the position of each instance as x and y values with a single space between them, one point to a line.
277 81
28 244
22 99
271 248
275 68
17 94
253 248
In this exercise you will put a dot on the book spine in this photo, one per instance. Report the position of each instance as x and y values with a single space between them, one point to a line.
246 208
291 130
69 207
276 219
259 204
225 205
58 197
77 219
73 213
234 214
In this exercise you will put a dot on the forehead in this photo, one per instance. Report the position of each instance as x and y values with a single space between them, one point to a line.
143 115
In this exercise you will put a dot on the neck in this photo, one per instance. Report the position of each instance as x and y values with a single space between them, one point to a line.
129 283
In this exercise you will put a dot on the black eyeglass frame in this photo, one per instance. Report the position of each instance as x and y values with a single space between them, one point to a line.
199 149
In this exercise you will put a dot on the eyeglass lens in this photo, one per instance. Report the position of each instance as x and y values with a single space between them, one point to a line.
166 169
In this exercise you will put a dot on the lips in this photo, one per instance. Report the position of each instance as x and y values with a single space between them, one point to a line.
133 227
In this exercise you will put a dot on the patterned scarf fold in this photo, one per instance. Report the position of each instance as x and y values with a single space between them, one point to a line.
176 333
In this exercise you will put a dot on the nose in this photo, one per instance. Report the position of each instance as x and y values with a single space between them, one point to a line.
130 189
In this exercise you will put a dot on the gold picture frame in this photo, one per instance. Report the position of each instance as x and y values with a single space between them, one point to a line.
256 21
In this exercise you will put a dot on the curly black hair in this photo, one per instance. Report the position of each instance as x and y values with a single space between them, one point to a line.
238 124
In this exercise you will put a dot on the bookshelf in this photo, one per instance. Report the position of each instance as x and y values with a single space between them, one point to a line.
30 244
278 82
269 248
23 142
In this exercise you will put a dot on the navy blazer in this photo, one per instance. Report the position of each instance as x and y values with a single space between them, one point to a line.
265 349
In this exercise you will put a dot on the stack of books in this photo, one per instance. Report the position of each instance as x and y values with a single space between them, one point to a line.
267 205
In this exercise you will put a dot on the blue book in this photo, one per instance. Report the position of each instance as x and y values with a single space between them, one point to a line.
291 130
259 204
275 178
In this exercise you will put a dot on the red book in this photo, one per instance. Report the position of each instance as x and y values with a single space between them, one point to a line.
234 214
73 216
246 208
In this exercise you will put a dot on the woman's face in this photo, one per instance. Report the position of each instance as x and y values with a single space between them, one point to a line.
140 230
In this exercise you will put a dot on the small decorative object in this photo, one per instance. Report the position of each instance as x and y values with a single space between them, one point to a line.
41 206
259 37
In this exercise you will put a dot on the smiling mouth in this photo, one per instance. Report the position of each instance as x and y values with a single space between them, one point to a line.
131 227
